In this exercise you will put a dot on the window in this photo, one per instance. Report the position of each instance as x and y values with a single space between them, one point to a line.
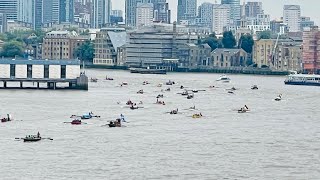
46 71
29 71
63 71
12 70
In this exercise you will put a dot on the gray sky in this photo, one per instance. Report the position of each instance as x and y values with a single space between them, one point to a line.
272 7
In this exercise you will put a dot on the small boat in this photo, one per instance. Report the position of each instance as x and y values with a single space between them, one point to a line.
190 96
159 85
76 122
230 92
116 123
170 83
124 84
175 111
145 83
129 102
168 89
232 89
278 98
140 91
109 79
224 78
160 102
94 80
195 91
134 107
197 115
8 118
31 138
160 96
185 93
244 109
254 87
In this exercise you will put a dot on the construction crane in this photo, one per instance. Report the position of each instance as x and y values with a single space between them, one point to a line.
274 50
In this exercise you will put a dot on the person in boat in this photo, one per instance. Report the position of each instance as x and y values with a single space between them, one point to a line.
38 135
181 87
122 118
246 107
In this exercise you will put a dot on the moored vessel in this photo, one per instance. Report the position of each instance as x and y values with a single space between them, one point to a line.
303 79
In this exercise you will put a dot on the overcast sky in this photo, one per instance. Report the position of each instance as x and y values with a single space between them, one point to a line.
272 7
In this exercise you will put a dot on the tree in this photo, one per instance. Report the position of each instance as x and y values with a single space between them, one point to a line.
228 40
85 52
212 41
12 49
265 35
246 42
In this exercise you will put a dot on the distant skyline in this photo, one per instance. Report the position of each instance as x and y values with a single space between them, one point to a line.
272 7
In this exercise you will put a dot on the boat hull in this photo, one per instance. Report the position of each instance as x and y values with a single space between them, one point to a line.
302 83
31 139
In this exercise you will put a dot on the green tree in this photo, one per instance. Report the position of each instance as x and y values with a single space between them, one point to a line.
228 40
265 35
85 52
212 41
12 49
246 42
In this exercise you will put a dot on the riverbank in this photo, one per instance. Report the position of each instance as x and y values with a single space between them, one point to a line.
236 70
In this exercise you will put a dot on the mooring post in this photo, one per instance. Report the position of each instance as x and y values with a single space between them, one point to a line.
54 85
21 84
38 85
5 84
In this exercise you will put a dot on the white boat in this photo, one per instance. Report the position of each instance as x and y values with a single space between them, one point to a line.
303 79
224 78
278 98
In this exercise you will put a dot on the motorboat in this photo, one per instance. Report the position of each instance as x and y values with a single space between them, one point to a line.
224 78
124 84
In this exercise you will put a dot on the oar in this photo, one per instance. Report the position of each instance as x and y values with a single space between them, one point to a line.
48 138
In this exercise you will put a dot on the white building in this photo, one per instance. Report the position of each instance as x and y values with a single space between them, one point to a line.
144 15
100 15
292 17
259 23
221 17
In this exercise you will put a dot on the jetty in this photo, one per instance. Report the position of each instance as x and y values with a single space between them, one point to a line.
42 74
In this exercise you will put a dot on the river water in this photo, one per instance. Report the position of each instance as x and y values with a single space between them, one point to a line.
275 140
